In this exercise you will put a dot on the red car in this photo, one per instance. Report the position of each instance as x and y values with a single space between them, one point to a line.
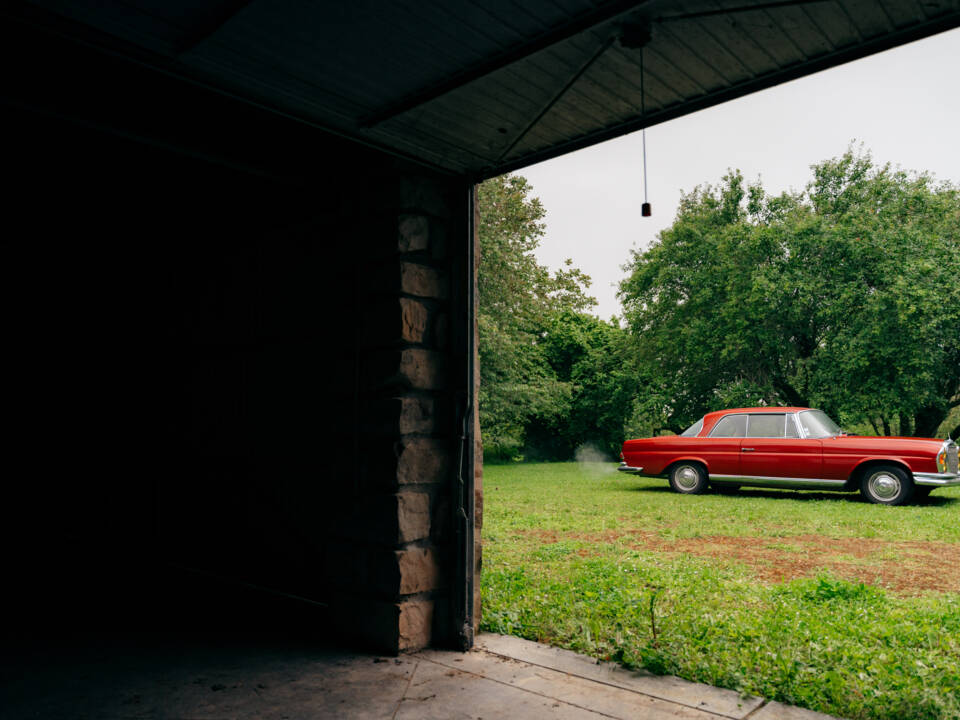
793 447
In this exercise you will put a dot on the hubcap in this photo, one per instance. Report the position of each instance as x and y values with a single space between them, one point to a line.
884 486
687 478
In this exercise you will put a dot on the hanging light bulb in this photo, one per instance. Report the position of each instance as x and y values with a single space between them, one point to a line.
634 35
645 209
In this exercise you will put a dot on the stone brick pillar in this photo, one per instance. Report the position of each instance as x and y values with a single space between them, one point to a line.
392 563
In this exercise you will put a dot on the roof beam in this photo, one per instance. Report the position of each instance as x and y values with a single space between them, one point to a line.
556 96
586 21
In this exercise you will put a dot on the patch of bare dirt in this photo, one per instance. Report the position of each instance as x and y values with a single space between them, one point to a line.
907 568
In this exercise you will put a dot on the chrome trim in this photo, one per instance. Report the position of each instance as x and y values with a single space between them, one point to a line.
628 469
764 481
949 448
802 433
796 426
936 479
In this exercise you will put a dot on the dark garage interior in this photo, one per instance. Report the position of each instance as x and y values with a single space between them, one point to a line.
228 356
239 265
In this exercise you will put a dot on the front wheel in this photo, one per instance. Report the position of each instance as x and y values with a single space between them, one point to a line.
886 485
688 478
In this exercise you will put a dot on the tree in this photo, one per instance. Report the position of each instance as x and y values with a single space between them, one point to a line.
840 296
517 296
592 357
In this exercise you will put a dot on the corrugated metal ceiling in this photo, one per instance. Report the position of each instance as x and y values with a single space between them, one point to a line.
482 86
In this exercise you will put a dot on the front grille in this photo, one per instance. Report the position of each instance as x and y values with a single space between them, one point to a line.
952 459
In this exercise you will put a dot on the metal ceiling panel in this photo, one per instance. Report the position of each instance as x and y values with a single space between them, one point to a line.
481 86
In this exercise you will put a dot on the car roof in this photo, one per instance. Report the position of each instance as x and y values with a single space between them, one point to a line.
717 413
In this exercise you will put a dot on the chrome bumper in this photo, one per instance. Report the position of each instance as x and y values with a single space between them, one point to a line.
627 469
936 479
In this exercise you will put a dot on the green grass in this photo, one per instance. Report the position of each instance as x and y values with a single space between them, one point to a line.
562 564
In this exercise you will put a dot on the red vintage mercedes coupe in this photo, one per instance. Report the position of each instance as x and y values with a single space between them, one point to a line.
793 447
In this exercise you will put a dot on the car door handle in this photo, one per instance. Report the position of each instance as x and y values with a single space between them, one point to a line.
747 449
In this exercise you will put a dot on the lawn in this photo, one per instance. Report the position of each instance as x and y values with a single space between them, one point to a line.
813 599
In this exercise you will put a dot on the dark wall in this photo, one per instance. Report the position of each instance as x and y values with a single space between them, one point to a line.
182 341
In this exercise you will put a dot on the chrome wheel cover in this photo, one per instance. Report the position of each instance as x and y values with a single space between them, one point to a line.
686 477
884 485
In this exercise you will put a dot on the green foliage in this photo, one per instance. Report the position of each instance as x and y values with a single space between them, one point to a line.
844 297
845 648
591 357
520 306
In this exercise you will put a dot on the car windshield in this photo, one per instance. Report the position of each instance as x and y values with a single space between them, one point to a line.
816 424
693 429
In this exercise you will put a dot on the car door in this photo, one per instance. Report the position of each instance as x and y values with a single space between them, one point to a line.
721 450
772 448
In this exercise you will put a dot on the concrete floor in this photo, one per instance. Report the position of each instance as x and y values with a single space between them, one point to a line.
503 677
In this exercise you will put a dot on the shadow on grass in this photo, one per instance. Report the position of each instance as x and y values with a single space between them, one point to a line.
803 495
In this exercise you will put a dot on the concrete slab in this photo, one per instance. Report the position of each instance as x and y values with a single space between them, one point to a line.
589 695
441 693
778 711
726 703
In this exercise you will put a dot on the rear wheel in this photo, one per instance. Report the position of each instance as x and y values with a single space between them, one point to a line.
688 478
886 485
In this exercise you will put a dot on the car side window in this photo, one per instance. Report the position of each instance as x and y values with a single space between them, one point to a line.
730 426
792 431
767 425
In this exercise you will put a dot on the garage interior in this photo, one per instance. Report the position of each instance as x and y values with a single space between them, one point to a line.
240 265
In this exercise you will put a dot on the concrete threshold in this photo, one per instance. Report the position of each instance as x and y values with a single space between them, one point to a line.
506 677
502 677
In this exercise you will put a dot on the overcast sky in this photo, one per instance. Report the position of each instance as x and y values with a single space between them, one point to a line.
903 104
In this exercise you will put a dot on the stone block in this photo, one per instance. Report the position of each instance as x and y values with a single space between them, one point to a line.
413 233
422 460
417 415
386 519
413 368
393 277
423 369
389 233
415 623
395 321
423 281
419 570
413 516
403 415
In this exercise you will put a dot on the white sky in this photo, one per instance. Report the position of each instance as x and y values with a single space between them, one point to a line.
903 104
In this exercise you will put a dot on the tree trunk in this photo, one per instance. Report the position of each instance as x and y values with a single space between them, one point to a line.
873 424
886 426
927 420
905 425
955 433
